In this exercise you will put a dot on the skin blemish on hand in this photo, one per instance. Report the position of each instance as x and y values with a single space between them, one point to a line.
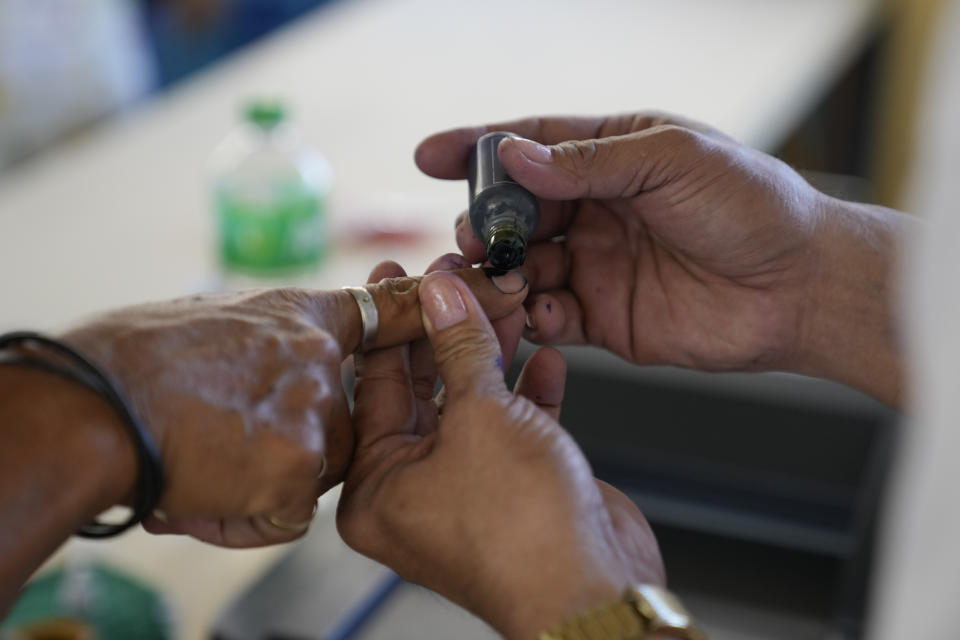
549 307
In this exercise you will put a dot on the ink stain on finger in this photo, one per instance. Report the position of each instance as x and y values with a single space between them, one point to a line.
450 262
500 362
549 307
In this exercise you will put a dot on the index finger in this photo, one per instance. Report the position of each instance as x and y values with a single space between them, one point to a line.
444 155
384 402
398 307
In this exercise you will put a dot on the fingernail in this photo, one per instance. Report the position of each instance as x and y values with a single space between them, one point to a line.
442 303
529 322
534 151
160 515
509 282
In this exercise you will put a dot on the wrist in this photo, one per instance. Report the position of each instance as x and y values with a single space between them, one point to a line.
64 459
532 615
849 333
639 612
68 433
530 608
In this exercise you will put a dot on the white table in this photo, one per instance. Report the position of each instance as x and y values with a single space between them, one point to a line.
122 215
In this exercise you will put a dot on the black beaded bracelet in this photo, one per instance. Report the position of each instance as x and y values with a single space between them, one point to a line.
83 371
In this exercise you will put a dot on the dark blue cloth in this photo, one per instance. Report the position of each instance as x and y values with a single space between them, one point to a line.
179 50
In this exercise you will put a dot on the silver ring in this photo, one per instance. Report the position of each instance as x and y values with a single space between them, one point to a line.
369 316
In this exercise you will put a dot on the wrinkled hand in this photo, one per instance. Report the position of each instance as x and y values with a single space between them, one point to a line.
242 393
677 245
485 499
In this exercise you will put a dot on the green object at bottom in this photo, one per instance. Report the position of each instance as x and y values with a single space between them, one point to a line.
282 236
114 605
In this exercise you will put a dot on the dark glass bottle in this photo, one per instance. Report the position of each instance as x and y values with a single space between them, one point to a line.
502 213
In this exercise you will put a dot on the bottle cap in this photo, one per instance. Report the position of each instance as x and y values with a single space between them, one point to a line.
265 113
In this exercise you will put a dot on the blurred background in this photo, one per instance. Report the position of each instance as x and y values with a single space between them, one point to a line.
69 65
157 148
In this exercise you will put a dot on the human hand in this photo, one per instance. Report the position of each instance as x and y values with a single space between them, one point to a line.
667 242
242 393
485 499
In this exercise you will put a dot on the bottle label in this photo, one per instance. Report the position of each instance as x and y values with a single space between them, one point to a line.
280 236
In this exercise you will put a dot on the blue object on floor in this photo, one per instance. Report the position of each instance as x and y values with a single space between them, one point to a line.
355 619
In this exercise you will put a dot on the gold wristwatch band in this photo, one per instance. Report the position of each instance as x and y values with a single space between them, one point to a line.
643 611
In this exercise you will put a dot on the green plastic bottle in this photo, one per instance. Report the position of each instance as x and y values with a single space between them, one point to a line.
270 192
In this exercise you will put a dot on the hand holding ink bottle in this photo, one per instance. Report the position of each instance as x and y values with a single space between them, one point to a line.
502 213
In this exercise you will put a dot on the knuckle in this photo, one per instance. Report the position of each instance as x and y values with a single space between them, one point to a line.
292 297
326 347
469 343
580 159
275 300
395 296
312 345
399 285
577 153
271 498
307 461
649 120
677 136
271 342
297 459
294 486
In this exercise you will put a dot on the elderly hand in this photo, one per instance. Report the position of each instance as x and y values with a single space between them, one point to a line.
242 392
665 241
485 499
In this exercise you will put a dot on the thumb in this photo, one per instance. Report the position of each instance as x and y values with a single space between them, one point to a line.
465 346
612 167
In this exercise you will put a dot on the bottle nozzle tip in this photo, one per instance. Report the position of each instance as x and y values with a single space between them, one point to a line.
507 253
